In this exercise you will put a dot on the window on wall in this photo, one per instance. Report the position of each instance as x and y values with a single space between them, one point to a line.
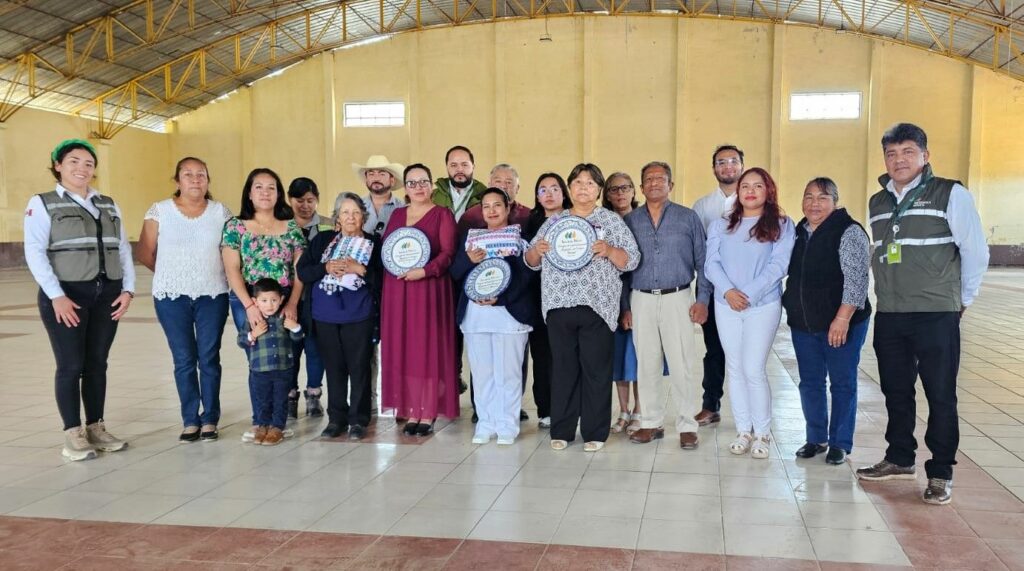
818 106
375 114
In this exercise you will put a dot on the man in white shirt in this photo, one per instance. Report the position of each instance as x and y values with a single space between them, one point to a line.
727 164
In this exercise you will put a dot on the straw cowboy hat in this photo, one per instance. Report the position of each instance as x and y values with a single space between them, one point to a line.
380 162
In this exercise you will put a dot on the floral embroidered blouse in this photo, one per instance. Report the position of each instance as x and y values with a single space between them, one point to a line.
265 256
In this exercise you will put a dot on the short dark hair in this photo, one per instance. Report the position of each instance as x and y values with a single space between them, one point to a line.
405 173
538 208
302 186
499 192
58 156
267 285
177 173
720 148
589 168
459 148
651 165
281 209
903 132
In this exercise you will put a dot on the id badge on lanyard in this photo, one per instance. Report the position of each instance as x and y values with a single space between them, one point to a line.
893 250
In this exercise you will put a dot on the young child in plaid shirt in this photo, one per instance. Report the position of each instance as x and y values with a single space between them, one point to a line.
269 346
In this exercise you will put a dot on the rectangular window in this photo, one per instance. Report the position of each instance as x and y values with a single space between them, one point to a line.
816 106
377 114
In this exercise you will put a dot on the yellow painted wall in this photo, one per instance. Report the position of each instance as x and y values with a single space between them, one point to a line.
134 168
617 91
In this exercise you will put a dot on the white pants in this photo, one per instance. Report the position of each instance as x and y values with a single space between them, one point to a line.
747 338
496 361
662 331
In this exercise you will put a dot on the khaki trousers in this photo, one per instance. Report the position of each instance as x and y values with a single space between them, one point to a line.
662 330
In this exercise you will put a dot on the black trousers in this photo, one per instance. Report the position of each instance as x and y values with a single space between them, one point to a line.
714 363
581 391
347 351
81 352
540 352
925 344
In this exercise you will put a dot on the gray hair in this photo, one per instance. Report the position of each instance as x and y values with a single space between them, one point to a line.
342 197
652 164
827 186
505 167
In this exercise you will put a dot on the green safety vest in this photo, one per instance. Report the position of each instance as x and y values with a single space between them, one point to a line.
82 247
927 279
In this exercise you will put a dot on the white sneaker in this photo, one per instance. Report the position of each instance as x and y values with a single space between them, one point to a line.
249 435
288 432
544 422
77 446
506 440
103 440
481 438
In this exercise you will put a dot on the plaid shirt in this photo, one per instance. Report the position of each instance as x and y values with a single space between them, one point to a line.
271 351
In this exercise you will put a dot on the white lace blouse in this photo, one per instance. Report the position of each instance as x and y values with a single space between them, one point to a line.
188 261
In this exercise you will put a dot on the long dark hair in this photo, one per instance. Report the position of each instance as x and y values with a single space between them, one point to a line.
769 226
177 175
281 209
538 208
608 182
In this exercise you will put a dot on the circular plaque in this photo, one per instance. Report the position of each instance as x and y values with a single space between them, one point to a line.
571 240
488 280
405 249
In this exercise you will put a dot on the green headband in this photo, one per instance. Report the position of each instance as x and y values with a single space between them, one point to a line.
68 142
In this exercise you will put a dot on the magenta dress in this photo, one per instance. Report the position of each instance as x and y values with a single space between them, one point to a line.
418 377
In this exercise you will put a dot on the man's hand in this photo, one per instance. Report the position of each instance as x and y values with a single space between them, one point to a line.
699 313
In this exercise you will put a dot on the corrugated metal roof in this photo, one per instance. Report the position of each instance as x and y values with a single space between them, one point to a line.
40 27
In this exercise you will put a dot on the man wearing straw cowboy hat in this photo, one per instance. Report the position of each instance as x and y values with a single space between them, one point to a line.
381 177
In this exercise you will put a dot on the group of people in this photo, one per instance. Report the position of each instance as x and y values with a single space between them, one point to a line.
297 282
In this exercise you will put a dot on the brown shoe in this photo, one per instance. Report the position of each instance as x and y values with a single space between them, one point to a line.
274 437
688 440
706 417
645 435
259 435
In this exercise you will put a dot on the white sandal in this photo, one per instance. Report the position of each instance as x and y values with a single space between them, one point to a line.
742 443
621 423
761 446
593 446
634 423
559 444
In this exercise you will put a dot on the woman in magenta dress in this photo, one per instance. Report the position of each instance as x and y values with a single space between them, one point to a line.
418 378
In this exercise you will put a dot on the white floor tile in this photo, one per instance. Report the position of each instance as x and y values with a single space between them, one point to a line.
703 536
849 546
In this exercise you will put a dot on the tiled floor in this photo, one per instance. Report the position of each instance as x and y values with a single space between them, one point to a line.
391 501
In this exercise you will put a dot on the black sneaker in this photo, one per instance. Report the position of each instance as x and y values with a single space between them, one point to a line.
313 406
187 436
835 456
523 416
209 434
886 470
293 406
357 432
332 431
939 492
810 450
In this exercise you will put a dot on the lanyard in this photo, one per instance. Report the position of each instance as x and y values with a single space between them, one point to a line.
905 204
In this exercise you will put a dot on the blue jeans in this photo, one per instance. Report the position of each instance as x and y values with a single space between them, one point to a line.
194 328
239 317
314 364
270 394
815 359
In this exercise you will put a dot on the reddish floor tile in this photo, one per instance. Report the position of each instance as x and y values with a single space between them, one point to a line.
669 561
948 552
475 555
901 492
925 520
995 525
977 478
318 550
742 563
158 541
15 530
396 546
236 545
21 560
1009 551
834 566
571 557
101 563
989 500
398 563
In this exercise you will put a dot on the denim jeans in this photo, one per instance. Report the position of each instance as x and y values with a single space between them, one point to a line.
314 364
270 394
815 359
239 317
193 328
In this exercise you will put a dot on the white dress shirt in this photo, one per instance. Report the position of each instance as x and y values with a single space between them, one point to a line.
713 206
968 235
37 240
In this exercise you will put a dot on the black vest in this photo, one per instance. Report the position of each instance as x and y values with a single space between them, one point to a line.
814 290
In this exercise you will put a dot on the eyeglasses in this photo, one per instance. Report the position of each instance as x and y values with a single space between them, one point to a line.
425 183
541 191
734 161
620 189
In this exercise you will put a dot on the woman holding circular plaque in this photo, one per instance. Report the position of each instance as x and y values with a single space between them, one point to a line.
495 313
581 254
418 378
